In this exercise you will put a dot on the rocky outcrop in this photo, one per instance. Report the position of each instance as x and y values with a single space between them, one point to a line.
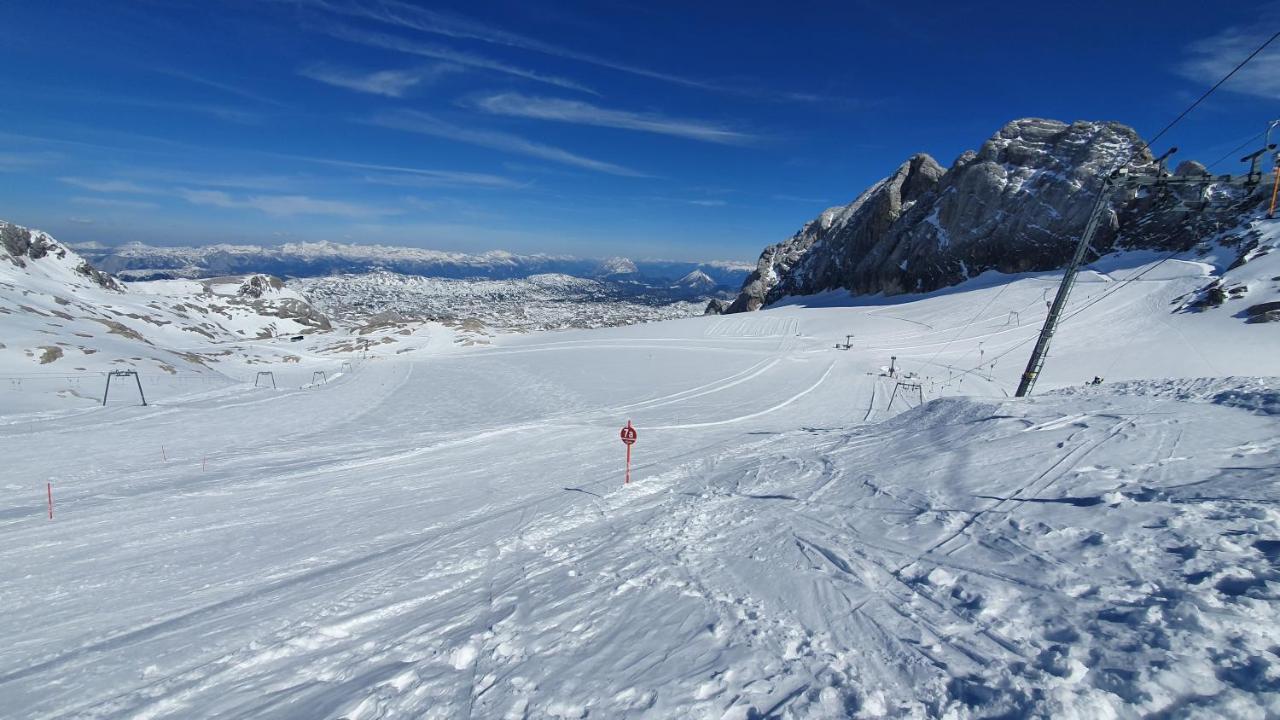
1017 204
258 285
22 245
827 249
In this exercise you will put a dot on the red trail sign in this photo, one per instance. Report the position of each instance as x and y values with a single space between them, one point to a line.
628 435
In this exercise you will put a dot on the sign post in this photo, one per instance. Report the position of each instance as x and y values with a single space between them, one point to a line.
628 435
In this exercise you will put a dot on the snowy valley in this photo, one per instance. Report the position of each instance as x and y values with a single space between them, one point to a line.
435 524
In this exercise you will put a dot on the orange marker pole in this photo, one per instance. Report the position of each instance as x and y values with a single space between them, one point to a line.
1275 188
49 488
628 480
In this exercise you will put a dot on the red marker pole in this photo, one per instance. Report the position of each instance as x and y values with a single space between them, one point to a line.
628 436
49 488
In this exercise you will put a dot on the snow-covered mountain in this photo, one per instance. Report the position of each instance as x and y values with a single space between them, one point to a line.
294 260
697 281
617 266
1019 203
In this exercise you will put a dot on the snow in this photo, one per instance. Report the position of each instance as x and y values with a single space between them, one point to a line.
539 302
445 533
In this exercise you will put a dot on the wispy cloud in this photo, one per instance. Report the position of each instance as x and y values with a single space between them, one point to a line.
187 177
279 205
114 203
110 186
583 113
442 178
449 55
799 199
434 22
1213 57
424 124
388 83
688 201
284 205
444 24
221 112
217 85
19 161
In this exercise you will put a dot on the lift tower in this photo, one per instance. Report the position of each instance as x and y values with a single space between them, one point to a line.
1120 179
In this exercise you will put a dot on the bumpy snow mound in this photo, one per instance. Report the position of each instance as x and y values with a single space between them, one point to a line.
1017 204
1266 402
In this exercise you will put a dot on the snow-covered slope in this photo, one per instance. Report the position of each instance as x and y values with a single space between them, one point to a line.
65 324
447 535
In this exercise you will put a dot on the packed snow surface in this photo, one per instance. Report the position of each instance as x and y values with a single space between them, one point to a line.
446 534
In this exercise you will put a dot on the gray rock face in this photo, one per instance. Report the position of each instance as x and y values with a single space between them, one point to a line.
715 306
259 285
21 245
1017 204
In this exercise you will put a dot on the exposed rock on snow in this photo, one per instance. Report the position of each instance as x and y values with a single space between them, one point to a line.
258 285
22 245
1019 203
617 266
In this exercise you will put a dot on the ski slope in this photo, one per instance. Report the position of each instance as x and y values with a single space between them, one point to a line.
446 534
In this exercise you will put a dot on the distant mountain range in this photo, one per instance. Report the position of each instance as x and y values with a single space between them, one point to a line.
135 261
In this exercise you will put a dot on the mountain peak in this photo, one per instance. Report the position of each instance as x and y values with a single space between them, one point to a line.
1017 204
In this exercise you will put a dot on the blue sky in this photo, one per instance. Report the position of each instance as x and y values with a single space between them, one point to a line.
680 130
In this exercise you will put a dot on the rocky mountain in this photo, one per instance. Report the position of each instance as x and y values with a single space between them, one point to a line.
1017 204
22 245
135 261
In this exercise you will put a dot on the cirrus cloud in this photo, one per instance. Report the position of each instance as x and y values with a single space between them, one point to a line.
583 113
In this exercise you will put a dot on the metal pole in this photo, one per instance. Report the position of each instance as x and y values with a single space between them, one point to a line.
107 391
140 393
1275 189
1036 363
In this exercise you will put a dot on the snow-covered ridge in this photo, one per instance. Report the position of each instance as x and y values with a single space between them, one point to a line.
63 321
